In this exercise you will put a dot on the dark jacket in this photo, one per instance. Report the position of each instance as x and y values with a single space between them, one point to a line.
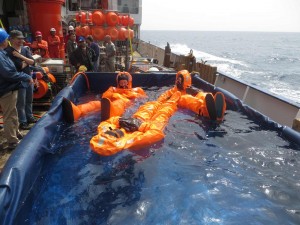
78 58
10 78
17 61
96 49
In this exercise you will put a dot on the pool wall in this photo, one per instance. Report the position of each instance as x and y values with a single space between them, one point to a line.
26 162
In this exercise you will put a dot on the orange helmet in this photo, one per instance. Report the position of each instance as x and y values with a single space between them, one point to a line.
121 76
187 80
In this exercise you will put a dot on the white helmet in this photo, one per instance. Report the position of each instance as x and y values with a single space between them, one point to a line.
71 27
52 29
153 69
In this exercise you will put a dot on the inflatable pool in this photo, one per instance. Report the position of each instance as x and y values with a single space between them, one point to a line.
244 169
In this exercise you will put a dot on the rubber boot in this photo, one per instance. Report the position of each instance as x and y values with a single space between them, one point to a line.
210 106
220 105
71 112
105 109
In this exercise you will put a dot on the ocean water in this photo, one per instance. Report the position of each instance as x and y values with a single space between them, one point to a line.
268 60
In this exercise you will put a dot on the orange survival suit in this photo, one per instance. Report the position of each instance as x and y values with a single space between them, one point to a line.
144 128
202 103
115 100
147 124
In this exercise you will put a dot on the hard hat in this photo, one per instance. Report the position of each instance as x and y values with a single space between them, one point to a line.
71 27
38 34
153 69
52 29
82 68
81 39
3 35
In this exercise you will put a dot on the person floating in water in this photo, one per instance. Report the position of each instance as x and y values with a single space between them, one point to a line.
113 103
202 103
144 128
147 124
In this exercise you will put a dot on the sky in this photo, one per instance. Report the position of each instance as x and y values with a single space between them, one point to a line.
221 15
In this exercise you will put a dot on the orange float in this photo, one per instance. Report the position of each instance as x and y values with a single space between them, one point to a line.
98 18
113 33
98 33
78 31
85 31
42 84
51 78
111 19
78 16
120 19
129 33
125 20
38 75
122 31
130 21
83 17
42 89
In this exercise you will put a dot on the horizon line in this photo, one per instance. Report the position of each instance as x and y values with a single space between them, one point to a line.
223 31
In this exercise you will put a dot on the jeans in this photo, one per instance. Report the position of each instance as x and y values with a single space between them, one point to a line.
24 103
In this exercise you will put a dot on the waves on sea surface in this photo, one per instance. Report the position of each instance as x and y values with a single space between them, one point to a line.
268 60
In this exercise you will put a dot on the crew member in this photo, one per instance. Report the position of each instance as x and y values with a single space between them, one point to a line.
147 124
54 42
203 103
114 101
40 46
83 55
10 81
143 129
110 50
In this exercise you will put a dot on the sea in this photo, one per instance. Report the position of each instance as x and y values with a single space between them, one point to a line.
268 60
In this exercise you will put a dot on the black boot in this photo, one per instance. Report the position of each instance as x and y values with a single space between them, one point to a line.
105 109
211 107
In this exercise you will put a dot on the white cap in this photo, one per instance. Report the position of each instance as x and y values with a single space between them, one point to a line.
71 27
52 29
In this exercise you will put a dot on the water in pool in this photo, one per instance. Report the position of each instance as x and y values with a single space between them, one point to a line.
201 173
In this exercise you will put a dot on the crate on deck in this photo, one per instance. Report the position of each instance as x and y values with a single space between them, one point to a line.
60 70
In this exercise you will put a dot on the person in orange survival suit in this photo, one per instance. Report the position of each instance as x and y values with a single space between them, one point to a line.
147 124
113 103
144 128
202 103
39 46
54 42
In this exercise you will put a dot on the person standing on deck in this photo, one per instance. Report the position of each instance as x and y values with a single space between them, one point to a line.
54 42
40 46
22 58
110 51
10 81
71 31
83 55
71 44
93 45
